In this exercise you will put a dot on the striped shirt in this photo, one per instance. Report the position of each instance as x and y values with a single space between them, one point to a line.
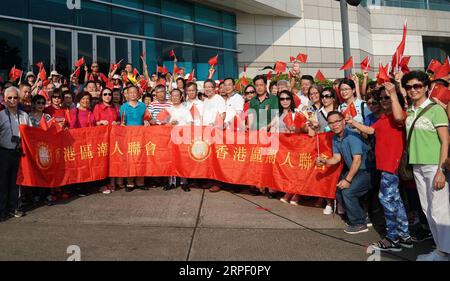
156 107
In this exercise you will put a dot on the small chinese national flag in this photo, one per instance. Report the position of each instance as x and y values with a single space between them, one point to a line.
191 75
79 62
319 76
434 65
351 109
443 71
244 81
383 74
42 74
365 64
302 57
292 59
288 120
163 116
441 93
348 64
135 72
299 120
172 53
40 65
147 116
15 73
280 66
162 69
269 75
213 61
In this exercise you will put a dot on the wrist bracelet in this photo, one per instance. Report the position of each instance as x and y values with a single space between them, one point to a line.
348 181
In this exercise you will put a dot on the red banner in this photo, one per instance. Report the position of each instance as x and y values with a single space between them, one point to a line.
284 162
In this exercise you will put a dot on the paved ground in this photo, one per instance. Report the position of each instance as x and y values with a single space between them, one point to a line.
175 225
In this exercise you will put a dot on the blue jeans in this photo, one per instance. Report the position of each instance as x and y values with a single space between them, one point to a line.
349 197
394 211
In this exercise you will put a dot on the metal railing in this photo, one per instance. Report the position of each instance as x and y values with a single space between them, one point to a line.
440 5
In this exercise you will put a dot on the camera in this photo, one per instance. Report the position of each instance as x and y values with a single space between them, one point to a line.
15 139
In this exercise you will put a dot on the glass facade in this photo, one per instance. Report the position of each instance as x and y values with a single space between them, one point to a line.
435 48
440 5
111 30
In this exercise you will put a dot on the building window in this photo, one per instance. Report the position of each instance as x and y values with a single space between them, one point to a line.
13 46
177 30
435 48
126 21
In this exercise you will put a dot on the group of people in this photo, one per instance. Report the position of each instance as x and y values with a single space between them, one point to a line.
375 126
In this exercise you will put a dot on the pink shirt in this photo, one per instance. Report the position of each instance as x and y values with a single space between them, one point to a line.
81 118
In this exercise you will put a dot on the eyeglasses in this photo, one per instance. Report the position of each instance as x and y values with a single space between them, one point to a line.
285 99
385 98
335 122
107 94
327 97
249 92
415 87
346 89
13 98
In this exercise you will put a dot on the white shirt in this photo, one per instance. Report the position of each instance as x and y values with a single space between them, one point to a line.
212 107
180 114
235 105
199 104
304 101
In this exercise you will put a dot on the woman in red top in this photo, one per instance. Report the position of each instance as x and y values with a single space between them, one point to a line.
389 133
56 111
106 113
82 117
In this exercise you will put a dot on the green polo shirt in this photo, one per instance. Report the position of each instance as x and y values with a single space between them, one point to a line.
269 105
425 147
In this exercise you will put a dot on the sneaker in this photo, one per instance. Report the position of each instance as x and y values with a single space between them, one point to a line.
293 202
284 200
328 210
387 244
106 191
49 200
355 229
421 235
17 214
406 243
433 256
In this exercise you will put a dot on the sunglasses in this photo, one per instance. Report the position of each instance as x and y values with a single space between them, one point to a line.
95 66
13 98
107 94
415 87
249 92
285 99
327 97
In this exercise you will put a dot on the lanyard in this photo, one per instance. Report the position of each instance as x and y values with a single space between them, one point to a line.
9 117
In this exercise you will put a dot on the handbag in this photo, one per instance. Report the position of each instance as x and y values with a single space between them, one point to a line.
405 170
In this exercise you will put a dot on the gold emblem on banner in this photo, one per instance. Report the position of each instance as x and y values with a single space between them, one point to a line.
199 150
44 156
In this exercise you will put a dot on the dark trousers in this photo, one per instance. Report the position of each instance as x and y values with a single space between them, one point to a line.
9 190
350 197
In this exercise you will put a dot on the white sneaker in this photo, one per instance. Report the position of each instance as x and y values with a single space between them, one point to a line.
107 191
433 256
284 201
328 210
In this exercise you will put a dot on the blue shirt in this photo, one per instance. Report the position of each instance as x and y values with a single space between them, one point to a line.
133 116
370 119
351 144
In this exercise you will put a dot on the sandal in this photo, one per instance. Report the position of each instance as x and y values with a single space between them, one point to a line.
387 244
